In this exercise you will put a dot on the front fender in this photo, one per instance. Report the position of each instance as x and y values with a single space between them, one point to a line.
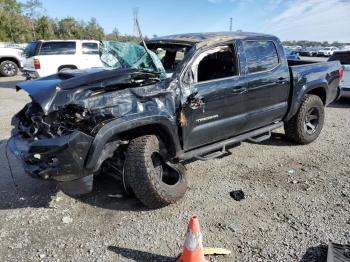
117 126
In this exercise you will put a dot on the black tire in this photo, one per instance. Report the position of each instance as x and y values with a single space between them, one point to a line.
306 125
153 182
8 68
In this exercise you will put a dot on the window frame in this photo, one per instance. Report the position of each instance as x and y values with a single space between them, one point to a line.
196 56
48 42
245 56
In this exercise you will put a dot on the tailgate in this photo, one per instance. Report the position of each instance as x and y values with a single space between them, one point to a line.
346 77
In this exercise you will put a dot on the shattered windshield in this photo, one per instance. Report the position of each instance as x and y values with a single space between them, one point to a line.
130 55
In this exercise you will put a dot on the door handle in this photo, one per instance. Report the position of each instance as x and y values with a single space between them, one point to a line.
239 90
281 81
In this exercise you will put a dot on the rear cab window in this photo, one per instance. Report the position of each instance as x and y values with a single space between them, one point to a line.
90 49
260 56
58 48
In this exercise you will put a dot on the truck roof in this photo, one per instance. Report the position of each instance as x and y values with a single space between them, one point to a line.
207 38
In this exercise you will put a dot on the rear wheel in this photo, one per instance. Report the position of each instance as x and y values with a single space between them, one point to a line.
8 68
153 181
306 125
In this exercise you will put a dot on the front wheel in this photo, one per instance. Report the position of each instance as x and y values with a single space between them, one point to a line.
8 68
306 125
154 182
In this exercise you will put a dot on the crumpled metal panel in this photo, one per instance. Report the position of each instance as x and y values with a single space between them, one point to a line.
130 55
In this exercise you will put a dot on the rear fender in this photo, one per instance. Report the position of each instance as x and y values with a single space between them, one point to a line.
311 87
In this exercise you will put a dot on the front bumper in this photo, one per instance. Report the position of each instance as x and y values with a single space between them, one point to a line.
60 159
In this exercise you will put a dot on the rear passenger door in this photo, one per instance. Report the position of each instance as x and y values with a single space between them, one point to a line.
267 74
91 55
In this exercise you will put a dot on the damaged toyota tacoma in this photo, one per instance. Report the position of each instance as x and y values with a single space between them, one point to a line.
158 104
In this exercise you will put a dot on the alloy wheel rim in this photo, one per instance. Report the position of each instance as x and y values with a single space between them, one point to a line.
9 69
311 121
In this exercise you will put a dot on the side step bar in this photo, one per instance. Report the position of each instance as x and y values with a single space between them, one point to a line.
257 135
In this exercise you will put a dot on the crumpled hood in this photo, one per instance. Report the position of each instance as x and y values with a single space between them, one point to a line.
59 89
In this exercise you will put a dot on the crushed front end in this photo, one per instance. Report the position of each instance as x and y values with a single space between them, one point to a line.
49 146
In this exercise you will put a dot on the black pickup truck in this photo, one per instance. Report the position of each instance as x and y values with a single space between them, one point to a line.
141 122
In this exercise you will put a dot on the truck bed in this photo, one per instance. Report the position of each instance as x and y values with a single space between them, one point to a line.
311 74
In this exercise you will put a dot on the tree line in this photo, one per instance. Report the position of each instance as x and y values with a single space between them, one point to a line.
25 22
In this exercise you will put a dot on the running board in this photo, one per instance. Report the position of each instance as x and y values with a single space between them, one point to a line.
205 153
258 139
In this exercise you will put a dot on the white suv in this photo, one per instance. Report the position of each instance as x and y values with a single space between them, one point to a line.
10 61
43 58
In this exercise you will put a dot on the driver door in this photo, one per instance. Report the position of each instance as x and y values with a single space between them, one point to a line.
215 109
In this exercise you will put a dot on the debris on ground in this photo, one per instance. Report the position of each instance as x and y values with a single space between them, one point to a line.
237 195
67 220
215 251
291 172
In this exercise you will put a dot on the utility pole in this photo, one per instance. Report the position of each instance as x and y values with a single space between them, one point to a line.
230 24
136 18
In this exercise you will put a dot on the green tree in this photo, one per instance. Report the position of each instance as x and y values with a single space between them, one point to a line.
69 28
10 10
114 36
32 9
45 28
93 30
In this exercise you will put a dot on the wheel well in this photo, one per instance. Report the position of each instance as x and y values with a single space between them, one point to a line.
2 59
67 66
152 129
320 92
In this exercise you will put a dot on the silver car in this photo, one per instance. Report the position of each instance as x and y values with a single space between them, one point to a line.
344 58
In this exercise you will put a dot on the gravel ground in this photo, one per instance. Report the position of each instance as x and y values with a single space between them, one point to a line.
282 218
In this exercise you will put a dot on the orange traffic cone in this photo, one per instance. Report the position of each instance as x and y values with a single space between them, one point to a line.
193 247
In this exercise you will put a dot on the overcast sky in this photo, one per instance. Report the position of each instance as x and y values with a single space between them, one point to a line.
321 20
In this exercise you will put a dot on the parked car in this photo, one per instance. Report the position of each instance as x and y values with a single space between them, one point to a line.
344 58
10 61
291 54
141 120
327 51
308 51
43 58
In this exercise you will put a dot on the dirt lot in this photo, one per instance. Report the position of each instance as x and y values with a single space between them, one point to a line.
283 218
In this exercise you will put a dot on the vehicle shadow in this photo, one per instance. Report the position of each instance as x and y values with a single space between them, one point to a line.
315 254
139 256
18 190
108 193
341 103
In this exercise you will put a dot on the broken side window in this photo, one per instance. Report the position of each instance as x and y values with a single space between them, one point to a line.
216 63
